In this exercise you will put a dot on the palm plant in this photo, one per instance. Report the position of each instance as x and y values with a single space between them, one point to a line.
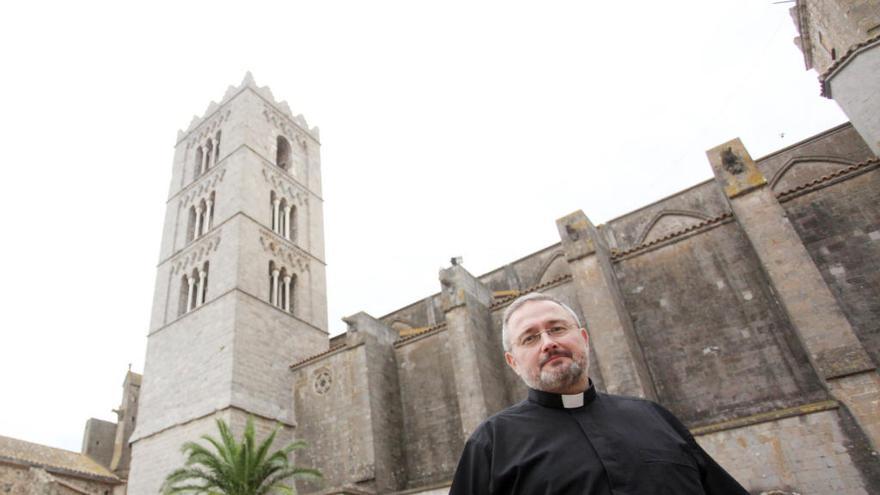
236 468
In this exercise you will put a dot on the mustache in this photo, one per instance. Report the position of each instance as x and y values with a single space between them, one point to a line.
554 353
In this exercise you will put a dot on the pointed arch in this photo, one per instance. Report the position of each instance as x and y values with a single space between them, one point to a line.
197 164
824 163
209 160
668 221
554 267
184 294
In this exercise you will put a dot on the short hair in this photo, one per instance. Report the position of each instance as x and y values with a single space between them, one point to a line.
519 302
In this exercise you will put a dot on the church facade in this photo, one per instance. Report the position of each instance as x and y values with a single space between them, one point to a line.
747 304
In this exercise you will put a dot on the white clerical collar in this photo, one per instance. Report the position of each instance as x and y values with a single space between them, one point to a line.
564 401
572 401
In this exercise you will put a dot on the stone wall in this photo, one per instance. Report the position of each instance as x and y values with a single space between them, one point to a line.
830 27
810 452
719 348
842 234
16 479
716 342
99 439
432 438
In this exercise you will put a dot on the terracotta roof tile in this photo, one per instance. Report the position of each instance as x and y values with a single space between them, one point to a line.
316 356
823 78
52 459
825 178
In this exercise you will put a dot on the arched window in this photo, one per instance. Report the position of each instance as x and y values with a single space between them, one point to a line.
197 165
274 283
209 212
282 154
209 151
191 224
290 221
281 287
217 147
193 289
289 292
273 210
203 285
184 294
282 217
193 298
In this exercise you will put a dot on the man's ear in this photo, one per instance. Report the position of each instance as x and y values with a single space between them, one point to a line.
511 361
586 336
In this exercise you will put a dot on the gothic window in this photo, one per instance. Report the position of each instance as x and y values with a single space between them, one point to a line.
206 156
197 165
201 218
283 214
191 224
209 154
209 212
282 154
184 295
290 223
193 289
281 287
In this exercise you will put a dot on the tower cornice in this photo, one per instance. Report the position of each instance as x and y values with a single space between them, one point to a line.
264 93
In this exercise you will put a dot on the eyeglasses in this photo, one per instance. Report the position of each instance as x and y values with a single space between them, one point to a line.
532 339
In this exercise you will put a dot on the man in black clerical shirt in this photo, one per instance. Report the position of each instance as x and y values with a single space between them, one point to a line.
567 438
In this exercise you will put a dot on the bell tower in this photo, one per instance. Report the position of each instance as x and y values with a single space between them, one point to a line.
240 286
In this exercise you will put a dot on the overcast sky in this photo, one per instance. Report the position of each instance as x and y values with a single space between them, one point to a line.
448 129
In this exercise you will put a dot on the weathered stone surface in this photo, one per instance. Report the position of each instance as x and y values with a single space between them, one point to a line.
716 342
614 341
810 453
706 305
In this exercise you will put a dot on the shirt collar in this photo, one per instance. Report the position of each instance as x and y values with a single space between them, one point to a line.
560 401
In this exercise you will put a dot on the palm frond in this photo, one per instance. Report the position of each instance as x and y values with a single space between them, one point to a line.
227 466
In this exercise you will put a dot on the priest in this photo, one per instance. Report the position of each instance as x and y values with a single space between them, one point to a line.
567 438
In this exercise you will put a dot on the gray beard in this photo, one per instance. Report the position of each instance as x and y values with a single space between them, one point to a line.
550 380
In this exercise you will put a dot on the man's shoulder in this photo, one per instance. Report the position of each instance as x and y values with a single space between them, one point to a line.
503 419
634 404
642 406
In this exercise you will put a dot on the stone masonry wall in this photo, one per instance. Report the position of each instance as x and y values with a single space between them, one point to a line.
810 453
715 340
22 480
333 417
835 25
432 438
840 227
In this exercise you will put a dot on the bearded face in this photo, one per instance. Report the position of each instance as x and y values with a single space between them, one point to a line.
548 351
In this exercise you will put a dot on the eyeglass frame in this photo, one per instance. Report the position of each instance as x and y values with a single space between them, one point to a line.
559 329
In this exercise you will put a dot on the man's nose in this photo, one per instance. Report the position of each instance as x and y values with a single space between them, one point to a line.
547 342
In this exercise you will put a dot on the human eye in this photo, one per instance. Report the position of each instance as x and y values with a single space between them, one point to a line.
557 330
528 340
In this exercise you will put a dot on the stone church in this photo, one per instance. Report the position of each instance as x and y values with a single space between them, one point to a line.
748 305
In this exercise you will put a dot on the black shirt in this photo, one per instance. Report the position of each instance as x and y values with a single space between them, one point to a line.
609 445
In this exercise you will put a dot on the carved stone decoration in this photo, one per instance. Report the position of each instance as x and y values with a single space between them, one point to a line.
731 162
283 124
322 381
205 186
196 252
208 129
287 254
290 189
